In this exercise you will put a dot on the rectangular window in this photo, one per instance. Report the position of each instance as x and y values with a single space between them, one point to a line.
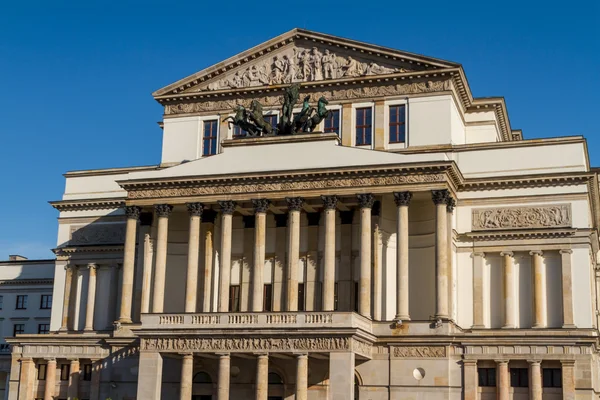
363 126
41 372
18 329
271 119
552 377
209 146
1 302
356 295
65 371
43 328
87 372
46 303
332 122
239 132
234 298
397 124
301 297
268 298
487 377
519 377
335 297
22 302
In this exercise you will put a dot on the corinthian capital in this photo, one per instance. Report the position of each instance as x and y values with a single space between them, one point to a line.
402 198
329 202
365 200
163 210
195 209
440 196
133 212
450 204
227 206
294 203
260 205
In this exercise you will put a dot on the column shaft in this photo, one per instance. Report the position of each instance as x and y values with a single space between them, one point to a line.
402 266
191 284
293 253
478 291
535 386
509 290
147 273
539 290
329 260
567 289
26 379
503 384
187 375
441 252
133 214
262 377
227 208
73 390
223 379
67 296
149 376
258 283
366 203
50 387
568 379
91 299
301 377
377 239
160 271
208 268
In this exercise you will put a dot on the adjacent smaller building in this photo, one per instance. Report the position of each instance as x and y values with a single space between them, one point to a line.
25 304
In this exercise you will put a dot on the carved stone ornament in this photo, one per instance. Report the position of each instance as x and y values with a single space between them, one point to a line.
260 205
440 196
133 212
365 200
402 198
284 185
246 344
420 351
329 202
450 204
97 234
294 203
227 206
195 209
273 100
163 210
549 216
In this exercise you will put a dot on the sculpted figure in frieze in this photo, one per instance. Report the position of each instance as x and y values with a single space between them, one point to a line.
298 64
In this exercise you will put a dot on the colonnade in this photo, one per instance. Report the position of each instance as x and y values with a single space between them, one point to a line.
509 287
442 199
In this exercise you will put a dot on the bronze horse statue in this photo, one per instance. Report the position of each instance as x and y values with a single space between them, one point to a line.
320 115
241 119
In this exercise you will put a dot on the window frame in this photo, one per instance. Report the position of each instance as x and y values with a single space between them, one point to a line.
553 383
234 298
487 375
397 124
519 377
339 110
48 302
41 372
40 329
386 123
268 297
211 138
86 372
301 296
63 368
23 305
355 109
1 302
15 333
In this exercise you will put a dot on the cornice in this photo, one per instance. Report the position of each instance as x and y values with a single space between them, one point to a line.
68 251
517 234
88 204
14 282
525 181
109 171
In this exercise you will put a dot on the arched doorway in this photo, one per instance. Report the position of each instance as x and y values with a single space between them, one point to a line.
357 384
202 386
276 387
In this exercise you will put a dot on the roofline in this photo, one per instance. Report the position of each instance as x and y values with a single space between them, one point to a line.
28 261
108 171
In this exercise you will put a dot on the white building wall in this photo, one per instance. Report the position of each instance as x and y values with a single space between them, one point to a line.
582 293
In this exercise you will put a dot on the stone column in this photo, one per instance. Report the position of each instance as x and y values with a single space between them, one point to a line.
144 258
329 204
147 273
207 287
149 376
191 283
341 376
187 376
27 378
50 387
402 200
509 289
67 297
262 377
535 386
160 270
539 289
227 208
223 379
293 251
478 290
568 379
279 266
450 205
260 229
503 381
301 377
567 289
91 298
95 382
470 379
440 199
365 202
73 390
133 214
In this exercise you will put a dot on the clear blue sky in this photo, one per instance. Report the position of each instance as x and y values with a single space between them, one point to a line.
77 76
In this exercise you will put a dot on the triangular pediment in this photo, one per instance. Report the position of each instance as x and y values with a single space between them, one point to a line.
302 56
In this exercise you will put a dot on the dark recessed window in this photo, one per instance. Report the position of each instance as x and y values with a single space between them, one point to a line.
46 302
268 298
519 377
397 124
239 132
43 328
356 295
301 297
271 120
332 122
87 372
363 126
335 297
65 371
21 302
41 372
487 377
18 329
1 302
234 298
552 377
209 146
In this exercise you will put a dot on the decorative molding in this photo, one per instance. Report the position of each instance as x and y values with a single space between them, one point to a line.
420 352
87 205
94 234
14 282
363 348
506 218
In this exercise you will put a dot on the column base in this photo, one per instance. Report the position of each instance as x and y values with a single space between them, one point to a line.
88 331
569 326
509 327
538 326
402 318
478 327
124 321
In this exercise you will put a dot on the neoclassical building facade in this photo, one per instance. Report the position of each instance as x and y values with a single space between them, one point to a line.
412 245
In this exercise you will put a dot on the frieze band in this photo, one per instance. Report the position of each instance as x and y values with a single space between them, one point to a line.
420 351
548 216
